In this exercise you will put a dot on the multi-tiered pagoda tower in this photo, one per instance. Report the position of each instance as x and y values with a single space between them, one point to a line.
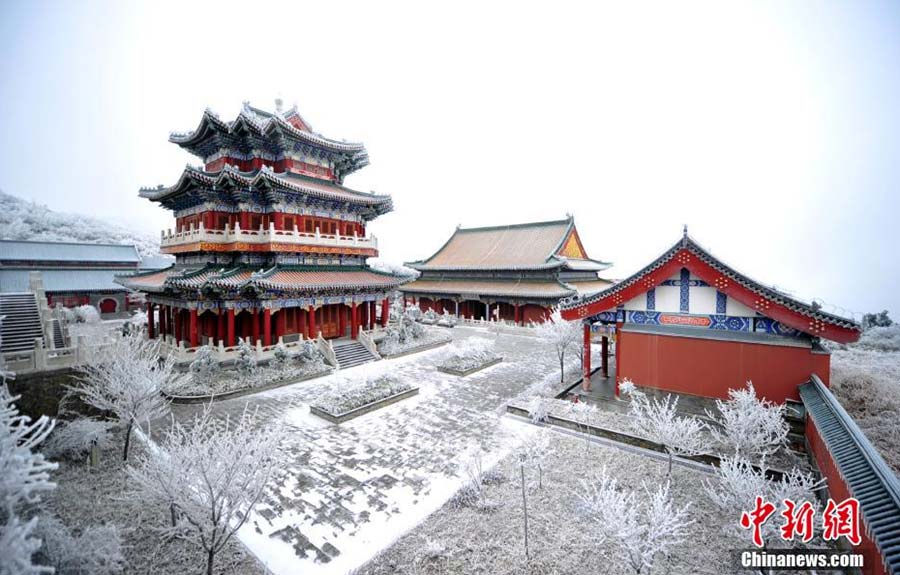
268 242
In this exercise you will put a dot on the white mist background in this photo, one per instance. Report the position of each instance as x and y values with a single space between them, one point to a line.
770 128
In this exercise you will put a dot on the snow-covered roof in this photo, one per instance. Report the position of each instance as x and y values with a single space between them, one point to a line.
11 250
62 280
689 254
528 246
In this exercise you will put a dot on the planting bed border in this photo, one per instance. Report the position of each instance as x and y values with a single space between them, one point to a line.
187 399
425 347
459 373
363 409
627 439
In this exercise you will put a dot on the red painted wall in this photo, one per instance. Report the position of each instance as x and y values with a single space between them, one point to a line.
838 491
709 368
534 313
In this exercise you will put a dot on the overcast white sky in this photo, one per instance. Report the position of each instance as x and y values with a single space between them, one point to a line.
770 128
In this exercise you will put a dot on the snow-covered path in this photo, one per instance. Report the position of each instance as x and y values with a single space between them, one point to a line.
348 491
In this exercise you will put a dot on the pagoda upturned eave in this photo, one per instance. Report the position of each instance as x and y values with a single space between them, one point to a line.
232 179
272 125
280 278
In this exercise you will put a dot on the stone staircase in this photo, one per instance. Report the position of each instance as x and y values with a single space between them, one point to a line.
22 322
352 353
59 339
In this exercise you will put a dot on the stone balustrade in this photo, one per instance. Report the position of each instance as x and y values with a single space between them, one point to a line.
262 235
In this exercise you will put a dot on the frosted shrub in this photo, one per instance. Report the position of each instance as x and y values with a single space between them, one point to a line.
881 338
205 367
87 314
748 426
640 526
96 551
413 312
309 354
469 353
348 395
470 466
447 320
245 363
280 358
538 409
658 421
73 440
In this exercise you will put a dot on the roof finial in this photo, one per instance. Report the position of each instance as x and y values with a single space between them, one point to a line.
279 103
685 230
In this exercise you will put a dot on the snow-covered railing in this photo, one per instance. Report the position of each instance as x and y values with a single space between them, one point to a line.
262 236
367 339
327 350
42 358
221 352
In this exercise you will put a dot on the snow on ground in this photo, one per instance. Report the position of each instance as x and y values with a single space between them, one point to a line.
349 491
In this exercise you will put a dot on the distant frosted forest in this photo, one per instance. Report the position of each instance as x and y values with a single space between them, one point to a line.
24 220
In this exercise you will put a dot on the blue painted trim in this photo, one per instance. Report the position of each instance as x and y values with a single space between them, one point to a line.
684 300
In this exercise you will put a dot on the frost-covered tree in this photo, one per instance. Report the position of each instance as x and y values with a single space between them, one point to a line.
204 368
533 450
658 421
749 426
737 485
87 314
642 527
561 335
126 380
24 475
246 358
24 220
880 319
280 357
74 439
210 475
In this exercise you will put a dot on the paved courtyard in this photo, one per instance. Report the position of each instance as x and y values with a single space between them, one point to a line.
348 491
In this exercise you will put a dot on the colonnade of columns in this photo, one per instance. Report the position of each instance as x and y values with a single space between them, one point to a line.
189 324
464 308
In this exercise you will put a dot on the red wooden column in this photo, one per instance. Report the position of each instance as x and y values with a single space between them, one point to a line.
194 335
342 320
372 319
618 353
312 323
229 320
516 315
385 312
179 332
354 321
267 327
163 323
220 326
255 325
280 323
604 350
151 329
586 382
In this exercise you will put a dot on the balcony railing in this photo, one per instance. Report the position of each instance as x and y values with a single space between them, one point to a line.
263 236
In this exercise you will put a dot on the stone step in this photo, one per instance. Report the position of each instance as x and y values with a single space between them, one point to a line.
22 323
